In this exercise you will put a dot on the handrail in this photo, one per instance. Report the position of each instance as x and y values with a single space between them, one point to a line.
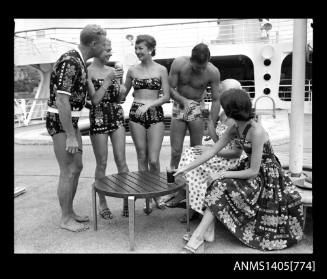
273 102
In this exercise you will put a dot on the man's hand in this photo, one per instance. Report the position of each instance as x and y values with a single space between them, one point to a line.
71 145
187 105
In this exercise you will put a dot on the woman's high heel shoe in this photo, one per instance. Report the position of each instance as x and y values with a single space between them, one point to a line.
188 249
208 236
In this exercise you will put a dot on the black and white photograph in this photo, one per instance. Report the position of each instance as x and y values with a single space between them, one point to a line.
163 136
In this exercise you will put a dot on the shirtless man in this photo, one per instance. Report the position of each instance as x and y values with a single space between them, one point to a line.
188 79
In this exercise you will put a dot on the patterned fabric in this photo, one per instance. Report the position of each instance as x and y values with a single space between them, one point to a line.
197 178
193 114
152 116
264 212
54 125
108 115
69 76
146 83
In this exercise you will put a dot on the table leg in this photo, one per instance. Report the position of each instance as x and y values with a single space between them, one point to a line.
187 209
94 205
131 221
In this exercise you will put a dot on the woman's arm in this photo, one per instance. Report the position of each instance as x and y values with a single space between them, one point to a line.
233 153
128 82
205 156
97 95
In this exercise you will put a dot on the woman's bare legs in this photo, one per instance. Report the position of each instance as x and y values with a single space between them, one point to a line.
100 149
155 134
205 227
118 141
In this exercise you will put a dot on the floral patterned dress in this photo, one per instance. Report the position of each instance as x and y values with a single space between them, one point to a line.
264 212
197 178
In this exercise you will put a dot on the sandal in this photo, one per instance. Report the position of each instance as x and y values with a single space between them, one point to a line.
187 249
106 214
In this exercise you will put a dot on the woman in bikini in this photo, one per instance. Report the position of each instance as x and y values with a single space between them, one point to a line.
146 118
106 119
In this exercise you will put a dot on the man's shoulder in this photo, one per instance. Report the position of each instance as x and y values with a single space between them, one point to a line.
212 68
71 56
182 59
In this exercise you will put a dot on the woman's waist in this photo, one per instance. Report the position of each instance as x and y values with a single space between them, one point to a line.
144 101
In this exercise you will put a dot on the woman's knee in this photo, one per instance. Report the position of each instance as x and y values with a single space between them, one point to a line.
154 164
75 168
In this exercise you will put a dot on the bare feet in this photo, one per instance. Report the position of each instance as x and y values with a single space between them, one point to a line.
79 218
73 226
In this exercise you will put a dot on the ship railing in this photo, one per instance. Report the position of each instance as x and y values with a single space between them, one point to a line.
285 90
168 36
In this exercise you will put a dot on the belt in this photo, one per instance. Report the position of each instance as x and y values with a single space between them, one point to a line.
74 113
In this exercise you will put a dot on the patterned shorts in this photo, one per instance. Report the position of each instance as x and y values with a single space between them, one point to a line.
152 116
193 114
54 125
106 118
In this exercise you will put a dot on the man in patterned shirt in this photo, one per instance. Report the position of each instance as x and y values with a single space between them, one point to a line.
68 89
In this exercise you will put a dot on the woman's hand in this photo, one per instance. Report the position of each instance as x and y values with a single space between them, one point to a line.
199 149
180 171
214 176
141 110
107 81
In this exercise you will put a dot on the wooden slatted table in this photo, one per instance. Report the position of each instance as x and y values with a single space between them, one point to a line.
136 185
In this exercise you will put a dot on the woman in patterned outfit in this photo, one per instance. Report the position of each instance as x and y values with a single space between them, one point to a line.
255 200
106 119
146 118
197 177
227 158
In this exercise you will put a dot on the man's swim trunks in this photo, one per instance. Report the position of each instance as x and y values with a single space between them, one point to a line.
193 114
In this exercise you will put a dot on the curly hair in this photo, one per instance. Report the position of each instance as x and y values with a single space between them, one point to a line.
237 104
149 41
90 33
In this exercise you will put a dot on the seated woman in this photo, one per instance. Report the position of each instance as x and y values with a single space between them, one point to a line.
146 117
226 158
255 200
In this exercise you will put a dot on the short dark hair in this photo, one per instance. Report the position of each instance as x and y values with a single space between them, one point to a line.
200 53
149 41
90 33
237 104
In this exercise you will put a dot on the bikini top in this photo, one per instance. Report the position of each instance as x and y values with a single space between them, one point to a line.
146 83
112 92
